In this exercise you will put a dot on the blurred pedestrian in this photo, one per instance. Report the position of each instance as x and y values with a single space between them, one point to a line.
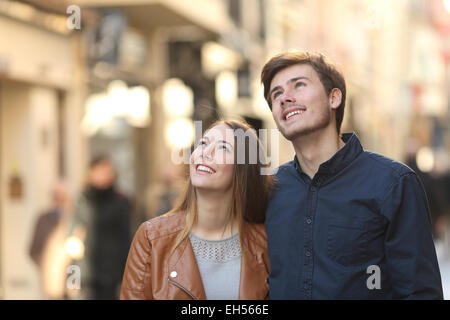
47 245
102 223
434 186
212 245
345 223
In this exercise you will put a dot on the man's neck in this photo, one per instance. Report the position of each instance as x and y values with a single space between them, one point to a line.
315 148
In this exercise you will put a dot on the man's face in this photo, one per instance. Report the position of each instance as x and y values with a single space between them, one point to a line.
300 104
102 175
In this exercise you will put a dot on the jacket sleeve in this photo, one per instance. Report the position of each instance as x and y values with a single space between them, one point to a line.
412 264
267 264
136 283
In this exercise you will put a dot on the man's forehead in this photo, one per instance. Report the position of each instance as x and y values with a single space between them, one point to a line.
294 71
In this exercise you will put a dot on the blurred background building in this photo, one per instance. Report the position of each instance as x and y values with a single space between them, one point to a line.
128 78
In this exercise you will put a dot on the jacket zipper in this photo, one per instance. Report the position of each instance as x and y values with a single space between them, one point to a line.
179 286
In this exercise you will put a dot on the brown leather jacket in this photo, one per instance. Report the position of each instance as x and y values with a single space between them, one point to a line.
150 272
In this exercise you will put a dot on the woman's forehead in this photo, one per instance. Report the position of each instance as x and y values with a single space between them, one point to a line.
220 132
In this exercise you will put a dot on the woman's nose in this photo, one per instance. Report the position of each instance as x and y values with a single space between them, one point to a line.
208 152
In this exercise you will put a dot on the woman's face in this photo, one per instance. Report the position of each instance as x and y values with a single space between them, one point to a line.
212 161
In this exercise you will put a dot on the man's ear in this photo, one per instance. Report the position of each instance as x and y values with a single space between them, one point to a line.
335 98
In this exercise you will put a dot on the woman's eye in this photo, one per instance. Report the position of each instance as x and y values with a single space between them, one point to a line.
202 143
299 84
224 148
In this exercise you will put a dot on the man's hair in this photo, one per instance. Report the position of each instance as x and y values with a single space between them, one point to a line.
329 75
98 159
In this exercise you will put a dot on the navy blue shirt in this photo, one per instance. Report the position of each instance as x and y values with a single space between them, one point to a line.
362 218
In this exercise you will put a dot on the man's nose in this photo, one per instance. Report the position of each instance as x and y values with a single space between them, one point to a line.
287 98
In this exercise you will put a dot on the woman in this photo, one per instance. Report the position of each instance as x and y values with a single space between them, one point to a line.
213 245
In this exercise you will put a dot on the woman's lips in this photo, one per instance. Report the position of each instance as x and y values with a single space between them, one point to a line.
204 169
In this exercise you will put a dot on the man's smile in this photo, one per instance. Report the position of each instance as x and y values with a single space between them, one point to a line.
293 112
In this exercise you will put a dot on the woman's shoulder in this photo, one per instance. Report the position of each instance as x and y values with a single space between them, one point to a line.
256 233
164 225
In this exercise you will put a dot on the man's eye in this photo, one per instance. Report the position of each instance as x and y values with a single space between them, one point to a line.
299 84
276 95
202 143
224 148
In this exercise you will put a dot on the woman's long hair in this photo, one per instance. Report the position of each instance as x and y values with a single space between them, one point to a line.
250 189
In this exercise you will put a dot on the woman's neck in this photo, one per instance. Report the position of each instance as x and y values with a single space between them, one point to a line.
213 215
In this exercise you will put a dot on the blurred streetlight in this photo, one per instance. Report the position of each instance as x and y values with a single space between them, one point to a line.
74 248
180 133
138 104
425 159
178 98
447 5
226 89
118 101
216 58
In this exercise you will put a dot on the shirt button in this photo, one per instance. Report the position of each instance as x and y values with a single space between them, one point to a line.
313 188
173 274
308 221
308 254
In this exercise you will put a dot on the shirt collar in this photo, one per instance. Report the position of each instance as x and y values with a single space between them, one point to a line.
340 159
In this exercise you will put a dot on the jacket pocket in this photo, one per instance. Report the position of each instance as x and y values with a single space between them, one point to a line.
347 241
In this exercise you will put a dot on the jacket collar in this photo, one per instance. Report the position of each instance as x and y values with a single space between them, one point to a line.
340 159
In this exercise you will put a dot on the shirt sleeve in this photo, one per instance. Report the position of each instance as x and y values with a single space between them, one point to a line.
412 264
136 284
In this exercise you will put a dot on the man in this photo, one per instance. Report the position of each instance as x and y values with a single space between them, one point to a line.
102 215
343 223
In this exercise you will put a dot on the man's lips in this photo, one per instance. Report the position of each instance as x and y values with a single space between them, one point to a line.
204 168
288 113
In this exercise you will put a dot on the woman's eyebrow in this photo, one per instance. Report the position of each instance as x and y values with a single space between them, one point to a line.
223 141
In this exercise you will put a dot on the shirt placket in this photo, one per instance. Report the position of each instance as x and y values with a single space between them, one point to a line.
308 250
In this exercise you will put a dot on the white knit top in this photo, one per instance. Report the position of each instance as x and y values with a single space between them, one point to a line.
219 262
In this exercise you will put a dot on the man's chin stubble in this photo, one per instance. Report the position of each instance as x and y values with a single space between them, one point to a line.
302 132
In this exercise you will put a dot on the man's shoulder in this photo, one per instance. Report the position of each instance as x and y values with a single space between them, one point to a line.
285 170
380 163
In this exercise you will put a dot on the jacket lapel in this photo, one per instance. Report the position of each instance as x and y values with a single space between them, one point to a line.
253 284
183 271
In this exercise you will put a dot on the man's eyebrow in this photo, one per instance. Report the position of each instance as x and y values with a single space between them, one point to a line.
289 81
298 78
274 89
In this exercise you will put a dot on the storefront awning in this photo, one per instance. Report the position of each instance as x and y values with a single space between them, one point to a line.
209 15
